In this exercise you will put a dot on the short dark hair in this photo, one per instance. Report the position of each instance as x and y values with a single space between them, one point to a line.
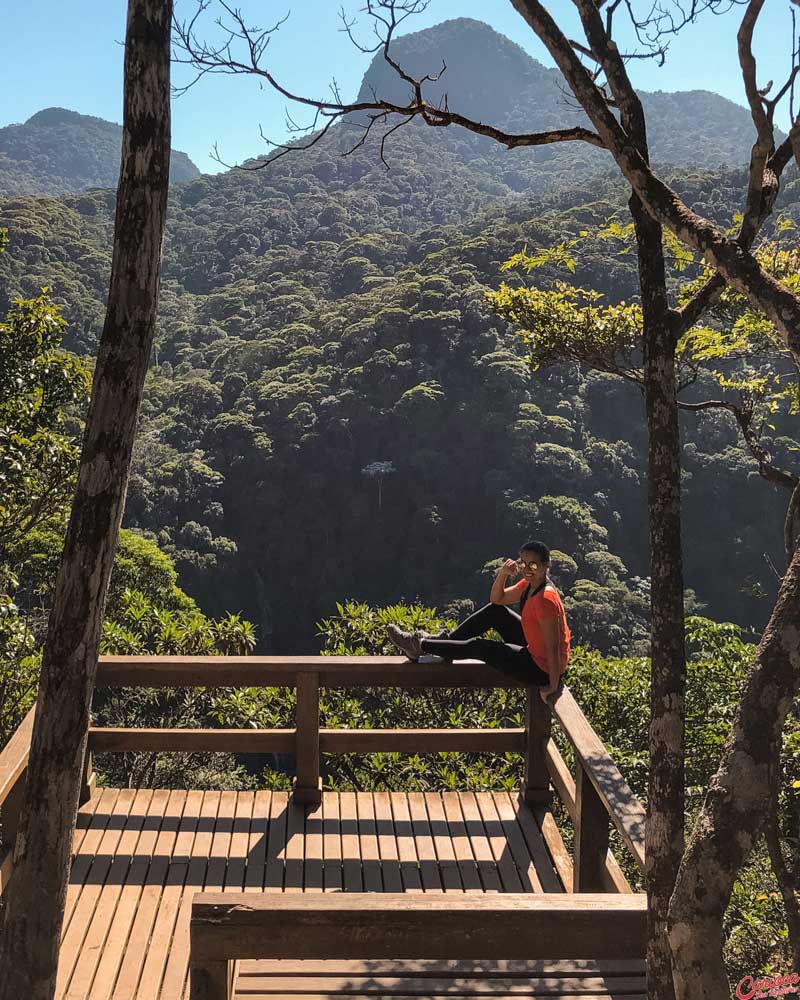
539 548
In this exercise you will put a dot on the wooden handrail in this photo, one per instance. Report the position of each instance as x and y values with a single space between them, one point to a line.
603 776
118 740
13 769
600 793
14 756
228 927
282 671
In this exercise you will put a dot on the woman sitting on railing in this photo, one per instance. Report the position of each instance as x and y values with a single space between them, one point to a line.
535 644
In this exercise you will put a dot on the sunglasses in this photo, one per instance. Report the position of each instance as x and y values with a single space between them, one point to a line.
532 566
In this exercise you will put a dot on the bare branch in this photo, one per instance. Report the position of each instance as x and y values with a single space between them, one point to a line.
206 58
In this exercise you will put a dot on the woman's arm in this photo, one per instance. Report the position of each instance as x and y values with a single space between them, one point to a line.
551 634
501 594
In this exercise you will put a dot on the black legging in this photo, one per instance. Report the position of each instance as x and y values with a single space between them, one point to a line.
510 656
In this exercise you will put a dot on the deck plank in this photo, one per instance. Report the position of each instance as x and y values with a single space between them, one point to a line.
370 985
139 835
240 842
428 862
84 850
435 968
153 886
479 841
368 843
351 846
406 848
88 922
313 867
443 844
295 847
555 845
169 905
537 848
387 843
331 843
257 847
507 870
176 971
517 844
457 831
276 843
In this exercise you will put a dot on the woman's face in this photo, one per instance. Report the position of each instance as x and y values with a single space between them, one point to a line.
532 567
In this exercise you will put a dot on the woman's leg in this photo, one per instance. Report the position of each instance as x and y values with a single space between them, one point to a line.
497 616
510 658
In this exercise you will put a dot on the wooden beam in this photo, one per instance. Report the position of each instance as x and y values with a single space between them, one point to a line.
538 725
563 782
626 812
422 740
591 837
89 778
209 980
614 877
277 671
430 925
14 756
117 740
307 787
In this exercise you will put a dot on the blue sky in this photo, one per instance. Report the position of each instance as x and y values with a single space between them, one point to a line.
68 54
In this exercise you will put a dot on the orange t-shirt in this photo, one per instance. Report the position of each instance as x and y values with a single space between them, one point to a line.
544 605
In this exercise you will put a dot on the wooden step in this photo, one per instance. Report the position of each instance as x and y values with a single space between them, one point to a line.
399 979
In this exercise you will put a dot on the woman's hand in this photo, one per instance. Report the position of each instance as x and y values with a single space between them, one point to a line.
509 568
545 692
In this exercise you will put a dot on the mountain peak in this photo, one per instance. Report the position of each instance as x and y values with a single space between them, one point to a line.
483 70
61 116
57 151
491 79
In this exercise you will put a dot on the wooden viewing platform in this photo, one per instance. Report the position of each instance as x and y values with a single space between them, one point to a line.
319 894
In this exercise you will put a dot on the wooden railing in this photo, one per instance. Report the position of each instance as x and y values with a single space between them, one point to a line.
13 768
229 927
594 798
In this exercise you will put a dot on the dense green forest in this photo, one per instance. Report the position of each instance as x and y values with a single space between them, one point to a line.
324 349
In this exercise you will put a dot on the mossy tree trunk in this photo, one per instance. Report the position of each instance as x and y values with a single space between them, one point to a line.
737 804
37 891
664 833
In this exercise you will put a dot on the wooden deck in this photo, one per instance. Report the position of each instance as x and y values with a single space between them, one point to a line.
232 877
140 856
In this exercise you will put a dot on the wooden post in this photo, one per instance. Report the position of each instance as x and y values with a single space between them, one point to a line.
210 980
307 788
89 779
536 789
591 836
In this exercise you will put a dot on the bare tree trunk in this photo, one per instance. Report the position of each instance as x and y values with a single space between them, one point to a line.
736 803
664 832
37 891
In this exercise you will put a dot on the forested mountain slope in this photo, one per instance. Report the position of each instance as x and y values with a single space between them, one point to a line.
333 411
58 151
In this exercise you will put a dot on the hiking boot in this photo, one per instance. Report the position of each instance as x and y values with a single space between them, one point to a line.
409 643
430 658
